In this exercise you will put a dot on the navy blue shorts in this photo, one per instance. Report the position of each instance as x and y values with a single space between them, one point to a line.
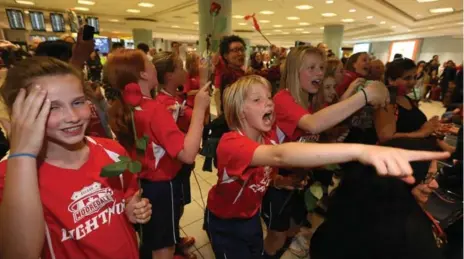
163 228
184 180
235 238
279 206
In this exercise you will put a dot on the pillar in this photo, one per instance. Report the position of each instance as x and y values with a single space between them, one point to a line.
247 51
333 37
221 23
142 36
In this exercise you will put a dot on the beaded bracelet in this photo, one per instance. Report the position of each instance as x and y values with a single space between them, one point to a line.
22 154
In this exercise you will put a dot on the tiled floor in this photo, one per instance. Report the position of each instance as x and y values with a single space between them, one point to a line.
192 221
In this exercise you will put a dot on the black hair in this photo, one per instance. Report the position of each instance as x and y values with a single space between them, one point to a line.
397 56
174 42
397 68
143 47
58 49
117 45
225 43
421 62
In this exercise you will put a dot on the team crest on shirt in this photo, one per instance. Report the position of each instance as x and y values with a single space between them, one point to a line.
89 200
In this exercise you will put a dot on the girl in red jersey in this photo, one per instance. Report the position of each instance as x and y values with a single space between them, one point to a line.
247 156
294 105
168 147
54 202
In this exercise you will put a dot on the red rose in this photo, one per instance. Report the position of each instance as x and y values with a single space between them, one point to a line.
132 94
214 9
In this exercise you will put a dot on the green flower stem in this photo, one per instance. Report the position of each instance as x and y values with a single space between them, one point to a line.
138 177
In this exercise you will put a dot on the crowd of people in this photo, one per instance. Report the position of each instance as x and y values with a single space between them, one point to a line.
100 154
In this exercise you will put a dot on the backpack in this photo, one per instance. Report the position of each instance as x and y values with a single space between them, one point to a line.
212 133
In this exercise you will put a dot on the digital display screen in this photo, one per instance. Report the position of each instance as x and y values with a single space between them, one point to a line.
37 21
93 21
57 21
102 44
15 19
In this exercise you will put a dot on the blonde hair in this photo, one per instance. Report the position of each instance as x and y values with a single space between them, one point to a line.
235 95
290 78
191 64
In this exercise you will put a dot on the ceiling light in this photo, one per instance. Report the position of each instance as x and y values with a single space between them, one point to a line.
418 15
303 7
24 2
321 27
352 10
175 26
85 2
113 20
268 33
133 11
277 26
277 30
369 17
264 21
329 2
306 32
237 16
299 29
304 23
329 14
348 20
26 12
442 10
266 12
409 30
293 18
81 8
426 1
115 32
242 23
286 32
144 4
431 27
393 27
383 22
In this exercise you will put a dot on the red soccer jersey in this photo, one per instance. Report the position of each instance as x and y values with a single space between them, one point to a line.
240 188
193 83
165 140
288 114
168 100
84 213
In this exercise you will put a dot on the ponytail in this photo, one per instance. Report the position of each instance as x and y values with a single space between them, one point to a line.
120 123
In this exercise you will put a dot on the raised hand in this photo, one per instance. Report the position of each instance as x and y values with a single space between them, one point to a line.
28 121
203 98
377 94
394 161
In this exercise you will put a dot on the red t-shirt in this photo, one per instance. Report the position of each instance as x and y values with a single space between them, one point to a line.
168 100
288 114
240 188
84 213
95 128
165 140
193 83
348 78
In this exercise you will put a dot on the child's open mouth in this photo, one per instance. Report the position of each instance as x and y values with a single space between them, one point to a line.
267 117
316 82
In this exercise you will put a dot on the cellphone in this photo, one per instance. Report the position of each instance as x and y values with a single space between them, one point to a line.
393 92
88 32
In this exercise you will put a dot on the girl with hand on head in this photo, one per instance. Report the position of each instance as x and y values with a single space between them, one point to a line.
232 216
168 148
53 202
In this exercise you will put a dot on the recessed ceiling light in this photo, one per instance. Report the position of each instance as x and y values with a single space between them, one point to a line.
285 32
329 2
277 30
393 26
115 32
237 16
299 29
26 12
242 23
85 9
431 27
321 27
144 4
195 22
85 2
369 17
133 11
277 26
264 21
304 23
383 22
348 20
293 18
24 2
442 10
113 20
426 1
352 10
268 33
175 26
306 32
304 7
418 15
328 14
266 12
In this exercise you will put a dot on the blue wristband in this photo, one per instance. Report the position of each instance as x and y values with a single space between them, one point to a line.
21 154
